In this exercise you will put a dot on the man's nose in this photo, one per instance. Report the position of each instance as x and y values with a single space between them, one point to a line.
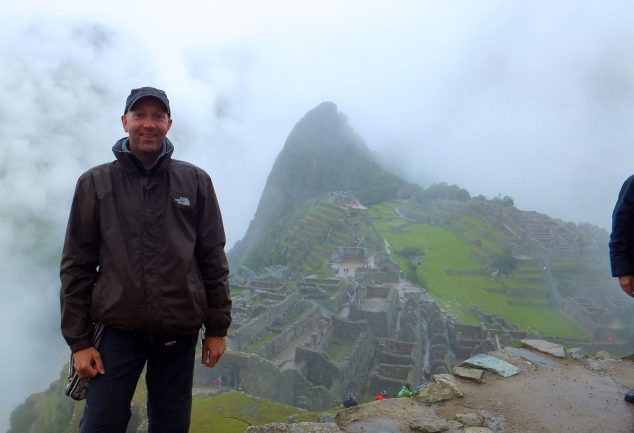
148 122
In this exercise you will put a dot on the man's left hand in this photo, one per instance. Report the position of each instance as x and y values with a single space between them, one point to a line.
213 348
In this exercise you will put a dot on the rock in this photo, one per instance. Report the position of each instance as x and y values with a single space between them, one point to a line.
442 387
492 364
575 353
429 426
300 427
454 425
602 355
448 380
406 412
470 419
474 374
546 347
531 357
477 430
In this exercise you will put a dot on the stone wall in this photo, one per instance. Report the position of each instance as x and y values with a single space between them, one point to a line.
345 376
309 320
250 331
373 277
348 329
394 371
317 367
378 320
398 347
384 357
382 321
258 376
374 291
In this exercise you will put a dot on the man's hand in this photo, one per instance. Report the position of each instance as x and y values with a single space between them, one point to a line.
627 284
213 348
88 362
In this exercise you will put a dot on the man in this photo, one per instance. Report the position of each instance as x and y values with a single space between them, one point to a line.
144 255
622 244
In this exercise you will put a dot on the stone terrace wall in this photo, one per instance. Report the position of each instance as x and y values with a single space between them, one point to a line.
345 376
356 366
350 330
250 331
379 320
377 291
309 320
372 277
317 367
258 376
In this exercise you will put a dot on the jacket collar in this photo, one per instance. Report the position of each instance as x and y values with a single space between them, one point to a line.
131 162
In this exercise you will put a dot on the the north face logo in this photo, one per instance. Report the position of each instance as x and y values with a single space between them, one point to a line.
183 201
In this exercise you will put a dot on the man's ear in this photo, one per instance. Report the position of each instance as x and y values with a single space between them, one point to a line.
124 122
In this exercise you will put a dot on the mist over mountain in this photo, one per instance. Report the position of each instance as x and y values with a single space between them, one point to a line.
322 154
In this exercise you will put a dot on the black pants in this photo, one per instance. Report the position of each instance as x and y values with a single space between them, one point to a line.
169 378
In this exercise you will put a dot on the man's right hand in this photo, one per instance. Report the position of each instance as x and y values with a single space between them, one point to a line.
88 362
627 284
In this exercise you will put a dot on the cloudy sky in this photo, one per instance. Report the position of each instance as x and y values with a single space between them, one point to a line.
528 99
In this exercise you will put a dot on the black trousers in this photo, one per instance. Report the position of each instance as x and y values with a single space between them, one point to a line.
169 379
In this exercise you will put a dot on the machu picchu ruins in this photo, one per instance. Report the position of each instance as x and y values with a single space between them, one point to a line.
361 326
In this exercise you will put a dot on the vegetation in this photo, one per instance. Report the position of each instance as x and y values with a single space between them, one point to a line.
456 274
228 412
233 412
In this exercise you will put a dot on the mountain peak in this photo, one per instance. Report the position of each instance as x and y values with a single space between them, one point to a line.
322 154
323 128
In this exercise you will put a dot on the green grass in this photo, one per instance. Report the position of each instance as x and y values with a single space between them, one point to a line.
258 344
338 349
233 412
443 249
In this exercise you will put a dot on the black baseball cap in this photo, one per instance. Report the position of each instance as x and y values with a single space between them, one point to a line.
144 92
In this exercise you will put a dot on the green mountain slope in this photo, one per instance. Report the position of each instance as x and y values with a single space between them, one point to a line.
321 154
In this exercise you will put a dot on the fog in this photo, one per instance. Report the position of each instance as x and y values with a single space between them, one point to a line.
531 100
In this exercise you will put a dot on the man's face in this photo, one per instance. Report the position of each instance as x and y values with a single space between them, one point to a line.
147 124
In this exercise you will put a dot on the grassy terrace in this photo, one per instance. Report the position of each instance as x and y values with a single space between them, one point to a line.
338 349
233 412
443 249
315 235
258 344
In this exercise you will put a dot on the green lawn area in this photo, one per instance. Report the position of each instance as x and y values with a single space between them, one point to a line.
229 412
444 250
234 412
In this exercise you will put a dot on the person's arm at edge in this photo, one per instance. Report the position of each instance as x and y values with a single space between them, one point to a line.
214 268
622 239
78 273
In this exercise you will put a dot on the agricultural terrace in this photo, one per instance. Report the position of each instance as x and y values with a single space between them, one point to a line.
453 270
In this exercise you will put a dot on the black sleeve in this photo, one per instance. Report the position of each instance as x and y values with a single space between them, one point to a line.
621 238
78 271
212 260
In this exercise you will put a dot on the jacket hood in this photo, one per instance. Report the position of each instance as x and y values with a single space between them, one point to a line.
128 159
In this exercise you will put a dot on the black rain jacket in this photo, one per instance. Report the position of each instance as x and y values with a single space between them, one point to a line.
144 251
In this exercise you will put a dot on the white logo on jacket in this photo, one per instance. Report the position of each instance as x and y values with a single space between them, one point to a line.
183 201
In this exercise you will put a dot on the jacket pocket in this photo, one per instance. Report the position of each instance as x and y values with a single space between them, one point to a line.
197 295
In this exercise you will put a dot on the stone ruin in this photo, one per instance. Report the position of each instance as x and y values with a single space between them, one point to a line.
310 342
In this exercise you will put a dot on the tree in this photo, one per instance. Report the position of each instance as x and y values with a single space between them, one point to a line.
505 262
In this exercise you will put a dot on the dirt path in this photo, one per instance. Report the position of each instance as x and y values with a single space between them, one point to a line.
576 396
